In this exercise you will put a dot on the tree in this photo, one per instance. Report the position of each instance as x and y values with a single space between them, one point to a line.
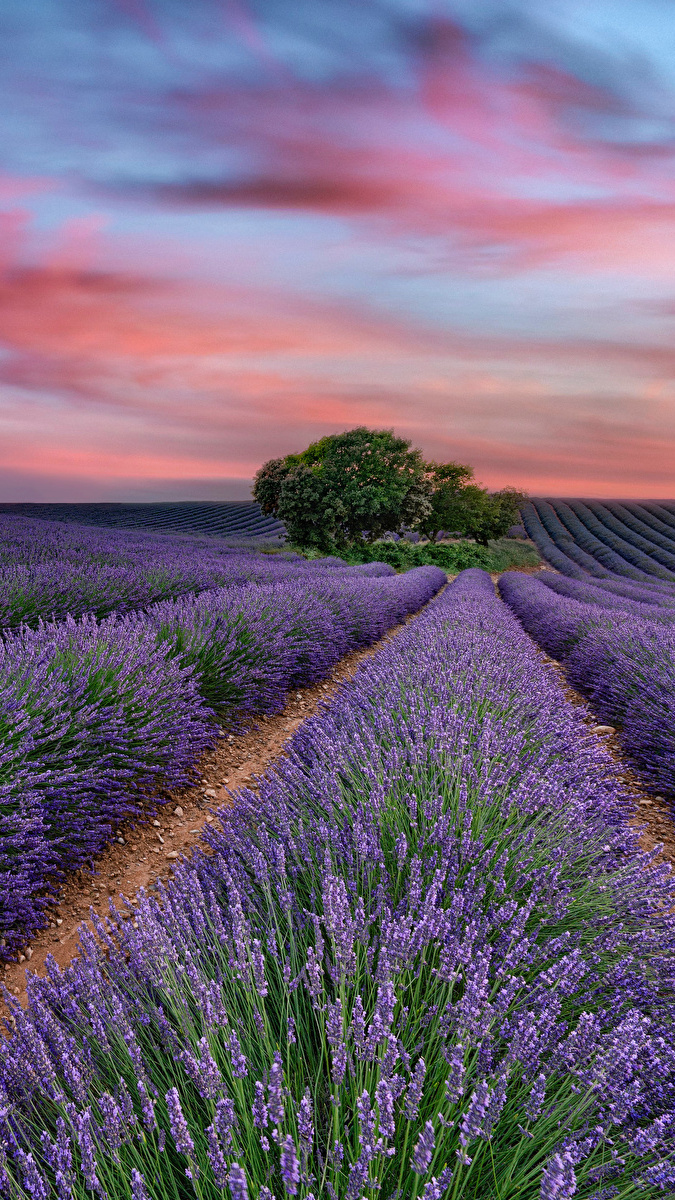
484 516
346 488
448 483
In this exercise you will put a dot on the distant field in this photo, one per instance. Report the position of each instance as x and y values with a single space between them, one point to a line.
633 539
213 518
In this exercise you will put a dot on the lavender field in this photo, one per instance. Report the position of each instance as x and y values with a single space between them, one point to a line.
425 958
100 715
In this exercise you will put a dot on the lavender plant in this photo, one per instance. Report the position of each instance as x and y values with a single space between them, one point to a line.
99 718
427 960
623 663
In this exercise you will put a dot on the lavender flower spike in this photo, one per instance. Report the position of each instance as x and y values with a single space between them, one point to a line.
138 1188
424 1150
414 1092
559 1181
179 1128
305 1121
237 1181
290 1168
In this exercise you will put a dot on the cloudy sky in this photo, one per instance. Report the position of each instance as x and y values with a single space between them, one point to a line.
228 227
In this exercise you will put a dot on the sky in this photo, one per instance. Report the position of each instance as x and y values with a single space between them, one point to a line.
229 227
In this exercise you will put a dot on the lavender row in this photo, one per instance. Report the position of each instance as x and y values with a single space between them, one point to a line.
621 660
427 960
48 570
642 601
99 717
557 544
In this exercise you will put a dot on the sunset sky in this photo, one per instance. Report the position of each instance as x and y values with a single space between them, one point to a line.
228 227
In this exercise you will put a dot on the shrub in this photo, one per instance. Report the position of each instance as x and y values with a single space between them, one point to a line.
452 557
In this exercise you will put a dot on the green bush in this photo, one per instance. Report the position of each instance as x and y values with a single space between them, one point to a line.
501 555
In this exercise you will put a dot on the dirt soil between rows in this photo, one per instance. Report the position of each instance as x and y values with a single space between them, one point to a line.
148 851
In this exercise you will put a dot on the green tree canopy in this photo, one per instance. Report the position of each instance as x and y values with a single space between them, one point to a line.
447 482
356 486
482 515
346 487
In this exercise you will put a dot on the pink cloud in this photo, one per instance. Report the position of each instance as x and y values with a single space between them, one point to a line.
458 159
77 244
117 377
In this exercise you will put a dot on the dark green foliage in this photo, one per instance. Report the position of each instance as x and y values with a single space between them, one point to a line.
477 514
448 482
344 488
500 555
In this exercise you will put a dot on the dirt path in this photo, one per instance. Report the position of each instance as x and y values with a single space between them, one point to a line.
145 853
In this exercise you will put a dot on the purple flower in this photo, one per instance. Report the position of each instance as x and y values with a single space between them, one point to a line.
224 1121
138 1188
116 1122
558 1181
179 1129
383 1015
204 1071
424 1150
87 1153
339 1063
259 1107
334 1023
238 1060
366 1126
58 1154
275 1092
385 1104
216 1157
147 1107
258 968
454 1084
313 973
358 1027
31 1176
436 1189
472 1121
290 1167
414 1091
237 1182
535 1101
306 1122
